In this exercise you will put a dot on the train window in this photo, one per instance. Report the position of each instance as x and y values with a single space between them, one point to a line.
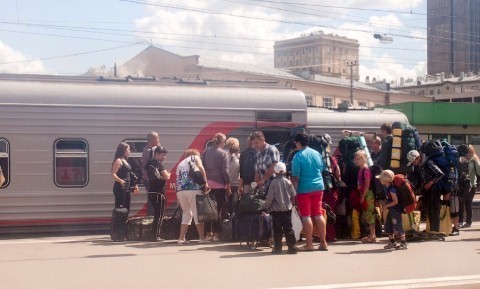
474 139
280 116
457 139
5 161
135 158
71 163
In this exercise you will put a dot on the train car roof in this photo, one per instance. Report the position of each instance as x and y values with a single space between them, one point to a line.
368 119
77 92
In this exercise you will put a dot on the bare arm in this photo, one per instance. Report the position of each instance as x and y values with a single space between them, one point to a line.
117 164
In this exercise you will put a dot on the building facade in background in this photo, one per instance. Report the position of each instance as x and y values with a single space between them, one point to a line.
453 36
318 54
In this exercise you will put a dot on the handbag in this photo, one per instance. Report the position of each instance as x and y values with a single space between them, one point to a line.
194 172
331 217
206 208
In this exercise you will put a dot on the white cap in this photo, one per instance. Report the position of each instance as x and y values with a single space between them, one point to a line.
412 156
328 138
280 167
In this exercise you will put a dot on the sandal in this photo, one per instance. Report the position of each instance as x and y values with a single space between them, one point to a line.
305 249
369 240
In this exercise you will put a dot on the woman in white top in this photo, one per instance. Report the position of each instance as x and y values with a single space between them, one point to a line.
187 189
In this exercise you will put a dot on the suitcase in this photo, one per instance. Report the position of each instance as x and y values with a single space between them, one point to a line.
141 229
251 228
118 229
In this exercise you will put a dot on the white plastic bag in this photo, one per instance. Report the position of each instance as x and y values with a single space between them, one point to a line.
296 223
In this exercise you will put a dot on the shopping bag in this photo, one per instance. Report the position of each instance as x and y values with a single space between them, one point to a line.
296 224
206 208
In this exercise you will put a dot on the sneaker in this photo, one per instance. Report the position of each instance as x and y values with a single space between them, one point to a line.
203 241
402 246
467 225
455 232
390 246
183 241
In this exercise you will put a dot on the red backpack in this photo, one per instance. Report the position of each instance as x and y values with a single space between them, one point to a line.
406 197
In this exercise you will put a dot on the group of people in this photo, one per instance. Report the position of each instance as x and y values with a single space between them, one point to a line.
228 174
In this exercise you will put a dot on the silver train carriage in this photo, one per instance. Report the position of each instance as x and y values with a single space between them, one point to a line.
58 138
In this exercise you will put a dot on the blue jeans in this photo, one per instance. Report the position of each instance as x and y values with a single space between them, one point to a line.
393 223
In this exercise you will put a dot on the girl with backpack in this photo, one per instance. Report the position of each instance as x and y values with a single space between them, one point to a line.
367 198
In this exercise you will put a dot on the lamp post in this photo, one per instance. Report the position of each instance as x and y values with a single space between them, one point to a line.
351 64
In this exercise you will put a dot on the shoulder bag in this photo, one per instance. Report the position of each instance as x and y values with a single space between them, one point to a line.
194 172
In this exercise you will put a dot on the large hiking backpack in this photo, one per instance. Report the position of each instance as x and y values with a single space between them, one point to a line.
318 143
348 146
406 195
445 156
405 139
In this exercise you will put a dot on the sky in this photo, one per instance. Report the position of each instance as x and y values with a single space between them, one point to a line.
72 37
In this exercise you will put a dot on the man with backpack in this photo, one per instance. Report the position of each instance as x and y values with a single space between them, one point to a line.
386 148
430 176
247 161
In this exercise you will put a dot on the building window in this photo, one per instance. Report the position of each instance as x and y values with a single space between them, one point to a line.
296 62
362 104
474 139
432 92
135 158
291 62
71 163
5 161
475 87
412 92
309 100
440 136
476 99
327 102
329 69
457 139
457 89
421 92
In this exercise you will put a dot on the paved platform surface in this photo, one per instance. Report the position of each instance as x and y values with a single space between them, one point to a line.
93 261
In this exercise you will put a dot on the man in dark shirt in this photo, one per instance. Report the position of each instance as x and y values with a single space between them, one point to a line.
386 150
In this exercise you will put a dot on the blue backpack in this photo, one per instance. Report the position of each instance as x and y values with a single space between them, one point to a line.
447 161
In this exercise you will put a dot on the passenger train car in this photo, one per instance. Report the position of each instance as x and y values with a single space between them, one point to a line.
58 137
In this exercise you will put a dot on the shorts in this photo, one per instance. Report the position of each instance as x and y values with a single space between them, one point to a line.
454 204
393 222
310 204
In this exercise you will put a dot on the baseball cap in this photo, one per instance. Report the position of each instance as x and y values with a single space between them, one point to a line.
412 156
280 167
328 138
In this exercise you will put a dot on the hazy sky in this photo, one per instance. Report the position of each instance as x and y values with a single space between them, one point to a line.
69 37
